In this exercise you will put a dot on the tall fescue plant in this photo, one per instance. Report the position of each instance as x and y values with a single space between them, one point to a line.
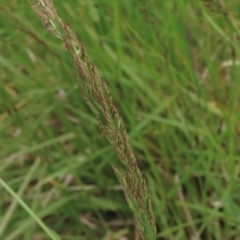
97 96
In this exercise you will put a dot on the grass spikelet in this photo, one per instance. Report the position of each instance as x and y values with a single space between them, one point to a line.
97 96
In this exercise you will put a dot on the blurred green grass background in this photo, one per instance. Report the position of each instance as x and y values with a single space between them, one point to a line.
173 70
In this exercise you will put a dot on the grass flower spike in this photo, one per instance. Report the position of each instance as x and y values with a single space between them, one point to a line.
97 96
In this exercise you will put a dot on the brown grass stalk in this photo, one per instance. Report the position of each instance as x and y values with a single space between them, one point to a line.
97 96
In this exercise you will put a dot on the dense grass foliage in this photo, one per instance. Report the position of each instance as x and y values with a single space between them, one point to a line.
173 70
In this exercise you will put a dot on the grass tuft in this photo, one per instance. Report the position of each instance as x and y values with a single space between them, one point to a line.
173 70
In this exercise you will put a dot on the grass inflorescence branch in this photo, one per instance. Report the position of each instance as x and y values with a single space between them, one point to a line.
97 96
